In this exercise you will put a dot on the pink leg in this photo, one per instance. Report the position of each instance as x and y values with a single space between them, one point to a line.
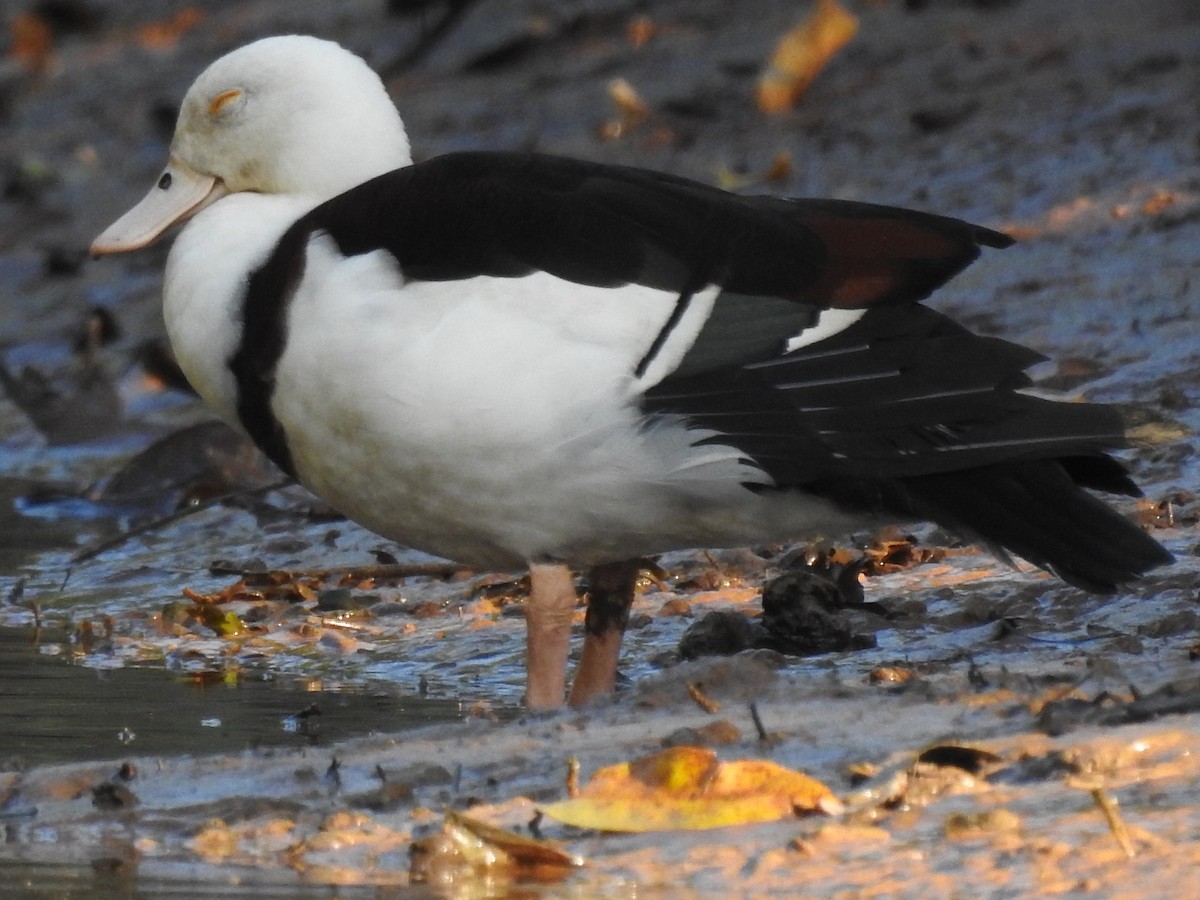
548 617
610 594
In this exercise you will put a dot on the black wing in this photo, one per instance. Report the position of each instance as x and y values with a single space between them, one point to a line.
510 214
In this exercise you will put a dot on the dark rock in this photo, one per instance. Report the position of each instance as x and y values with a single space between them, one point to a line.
720 633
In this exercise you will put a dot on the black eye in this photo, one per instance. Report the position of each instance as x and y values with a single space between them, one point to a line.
165 181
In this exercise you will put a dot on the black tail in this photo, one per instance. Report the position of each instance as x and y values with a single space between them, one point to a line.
1038 510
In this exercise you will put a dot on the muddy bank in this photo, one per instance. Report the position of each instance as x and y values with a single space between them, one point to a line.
1032 822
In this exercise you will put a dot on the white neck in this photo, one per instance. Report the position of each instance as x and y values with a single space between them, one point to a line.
205 284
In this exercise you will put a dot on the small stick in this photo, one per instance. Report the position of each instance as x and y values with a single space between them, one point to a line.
716 565
96 549
349 626
1116 824
702 700
572 777
758 722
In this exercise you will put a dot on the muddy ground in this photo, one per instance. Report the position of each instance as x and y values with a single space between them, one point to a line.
1071 124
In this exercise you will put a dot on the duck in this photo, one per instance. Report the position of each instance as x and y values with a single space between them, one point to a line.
516 360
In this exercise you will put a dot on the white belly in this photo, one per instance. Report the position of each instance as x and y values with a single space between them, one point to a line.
494 421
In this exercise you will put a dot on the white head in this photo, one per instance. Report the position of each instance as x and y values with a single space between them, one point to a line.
283 115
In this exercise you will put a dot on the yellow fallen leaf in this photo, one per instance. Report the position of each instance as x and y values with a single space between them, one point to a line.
729 180
802 53
688 788
628 101
780 169
224 622
632 110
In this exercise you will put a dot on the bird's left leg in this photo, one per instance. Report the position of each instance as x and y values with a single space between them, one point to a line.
610 594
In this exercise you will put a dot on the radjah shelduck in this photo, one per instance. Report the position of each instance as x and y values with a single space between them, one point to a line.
517 360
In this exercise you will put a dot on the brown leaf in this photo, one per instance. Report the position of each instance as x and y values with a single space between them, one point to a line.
467 843
521 850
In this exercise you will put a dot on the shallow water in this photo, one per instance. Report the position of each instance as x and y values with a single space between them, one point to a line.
54 710
62 881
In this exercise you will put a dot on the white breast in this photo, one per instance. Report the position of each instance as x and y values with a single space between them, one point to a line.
205 281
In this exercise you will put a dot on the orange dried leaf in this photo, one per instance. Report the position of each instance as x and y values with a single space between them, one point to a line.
802 53
215 842
30 41
1158 202
164 35
780 168
641 31
688 788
